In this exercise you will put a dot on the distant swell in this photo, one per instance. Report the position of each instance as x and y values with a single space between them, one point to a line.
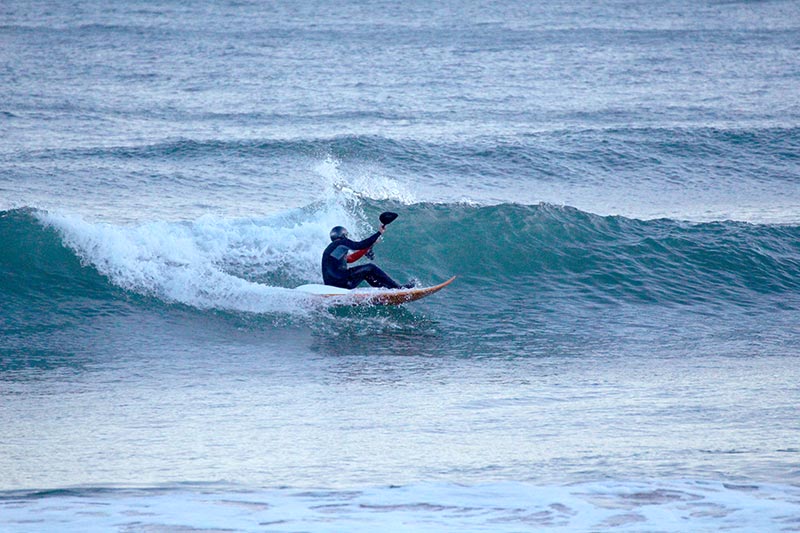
343 147
767 153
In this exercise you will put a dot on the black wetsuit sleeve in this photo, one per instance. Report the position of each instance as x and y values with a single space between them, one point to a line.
366 243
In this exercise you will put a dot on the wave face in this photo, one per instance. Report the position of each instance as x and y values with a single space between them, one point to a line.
576 253
541 252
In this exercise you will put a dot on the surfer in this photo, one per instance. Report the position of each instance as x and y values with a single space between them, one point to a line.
338 254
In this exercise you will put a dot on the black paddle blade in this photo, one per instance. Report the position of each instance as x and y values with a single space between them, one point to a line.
387 217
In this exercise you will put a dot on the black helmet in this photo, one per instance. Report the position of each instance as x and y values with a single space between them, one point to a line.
338 233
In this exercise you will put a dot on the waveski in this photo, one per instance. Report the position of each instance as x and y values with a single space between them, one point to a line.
251 265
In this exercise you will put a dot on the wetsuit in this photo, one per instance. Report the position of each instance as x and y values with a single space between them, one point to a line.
336 273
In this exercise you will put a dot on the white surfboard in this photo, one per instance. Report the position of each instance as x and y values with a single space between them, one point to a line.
371 295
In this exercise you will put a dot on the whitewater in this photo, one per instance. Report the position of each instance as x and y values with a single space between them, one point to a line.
615 184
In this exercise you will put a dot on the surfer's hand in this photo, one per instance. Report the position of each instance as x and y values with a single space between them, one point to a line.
382 229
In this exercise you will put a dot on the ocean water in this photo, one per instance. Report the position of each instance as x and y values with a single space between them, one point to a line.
616 185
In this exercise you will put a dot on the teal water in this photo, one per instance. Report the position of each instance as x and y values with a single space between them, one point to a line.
616 186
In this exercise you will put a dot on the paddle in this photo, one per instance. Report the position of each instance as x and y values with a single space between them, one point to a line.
386 218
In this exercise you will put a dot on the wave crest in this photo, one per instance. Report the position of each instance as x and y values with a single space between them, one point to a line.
504 250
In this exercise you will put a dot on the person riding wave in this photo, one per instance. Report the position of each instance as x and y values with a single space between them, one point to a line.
338 254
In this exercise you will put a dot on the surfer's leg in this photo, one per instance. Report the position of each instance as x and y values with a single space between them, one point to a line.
379 278
372 275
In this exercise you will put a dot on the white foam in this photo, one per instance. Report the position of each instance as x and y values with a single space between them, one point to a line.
205 263
222 263
601 506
